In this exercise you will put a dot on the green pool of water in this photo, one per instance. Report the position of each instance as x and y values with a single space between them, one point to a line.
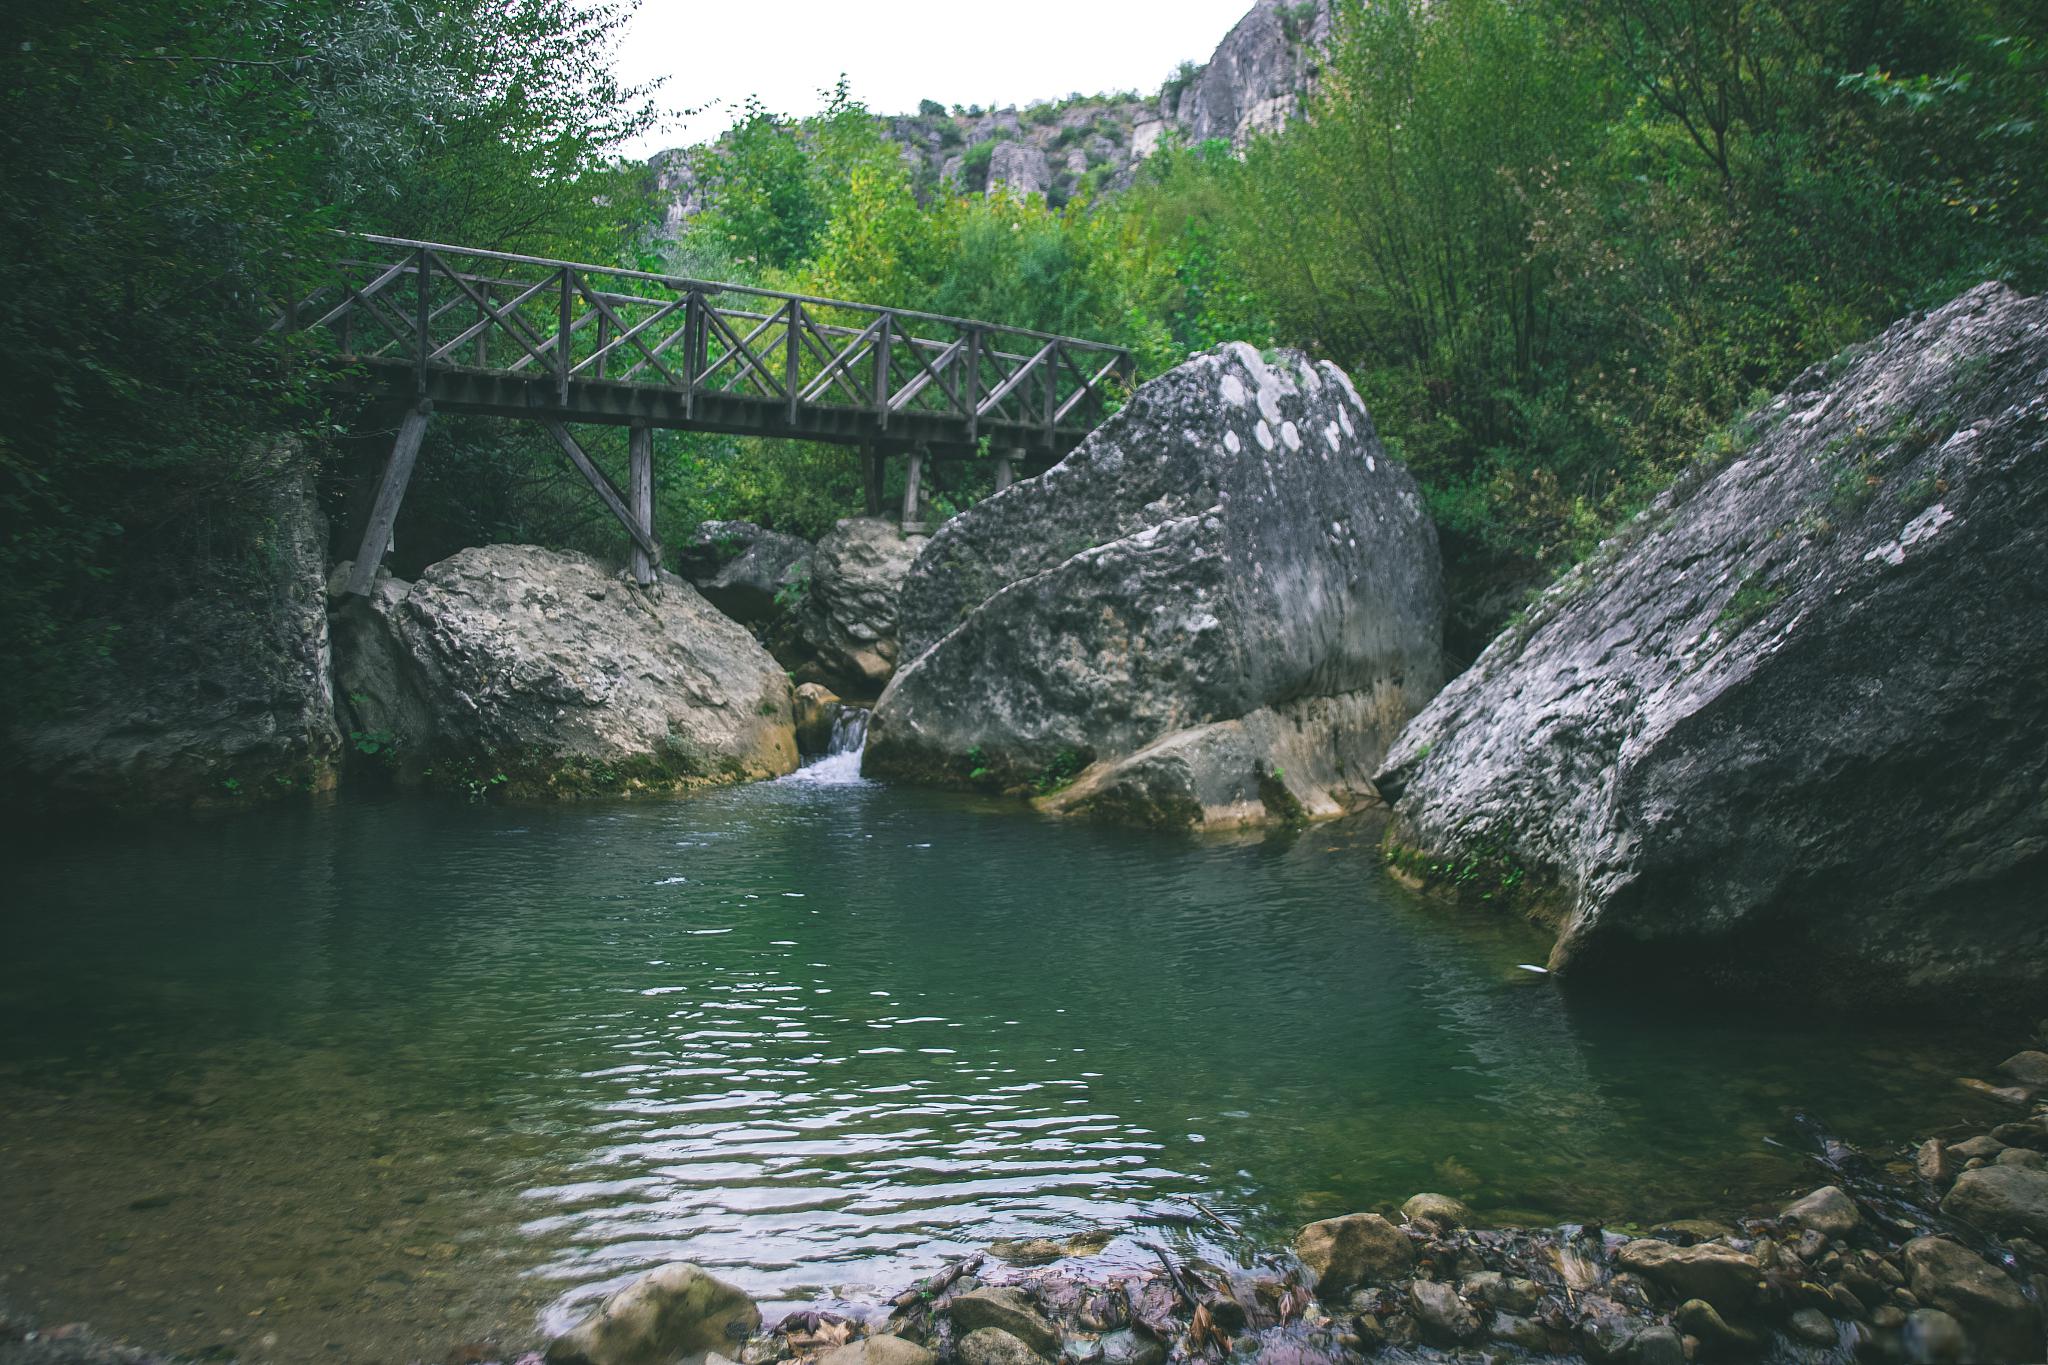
366 1081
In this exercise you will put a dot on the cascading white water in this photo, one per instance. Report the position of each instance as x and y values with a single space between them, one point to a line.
840 765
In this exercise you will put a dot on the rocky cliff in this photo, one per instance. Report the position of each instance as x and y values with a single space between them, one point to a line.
218 697
1788 727
1255 82
1217 611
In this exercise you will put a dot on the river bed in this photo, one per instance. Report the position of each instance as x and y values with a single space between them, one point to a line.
364 1081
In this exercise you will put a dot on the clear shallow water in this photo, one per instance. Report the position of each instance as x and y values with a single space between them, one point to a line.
375 1079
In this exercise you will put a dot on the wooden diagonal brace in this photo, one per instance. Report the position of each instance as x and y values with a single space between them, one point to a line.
607 491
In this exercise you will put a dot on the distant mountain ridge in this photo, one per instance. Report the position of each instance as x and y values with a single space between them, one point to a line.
1254 82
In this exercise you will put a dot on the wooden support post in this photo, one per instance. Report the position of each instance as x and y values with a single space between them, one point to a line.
792 337
640 442
871 478
911 520
390 493
1006 473
605 489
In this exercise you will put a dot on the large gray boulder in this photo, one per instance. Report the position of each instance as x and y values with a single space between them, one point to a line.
748 573
1787 727
545 674
218 694
1217 611
846 623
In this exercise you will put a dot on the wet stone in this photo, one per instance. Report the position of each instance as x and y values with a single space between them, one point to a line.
993 1346
1811 1326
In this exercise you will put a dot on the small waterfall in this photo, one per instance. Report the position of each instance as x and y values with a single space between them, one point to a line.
840 765
849 731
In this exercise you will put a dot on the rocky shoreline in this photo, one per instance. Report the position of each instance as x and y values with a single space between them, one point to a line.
1934 1252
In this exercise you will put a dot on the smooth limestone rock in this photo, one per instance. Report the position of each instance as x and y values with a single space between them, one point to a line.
1827 1211
1785 729
219 694
1355 1249
744 571
562 677
847 620
1215 612
670 1315
1991 1308
2011 1201
1723 1276
1005 1310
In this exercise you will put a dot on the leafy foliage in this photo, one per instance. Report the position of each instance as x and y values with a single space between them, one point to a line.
171 173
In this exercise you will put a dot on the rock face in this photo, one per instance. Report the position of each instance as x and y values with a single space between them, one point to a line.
220 696
1217 611
847 622
1256 80
1786 728
546 669
674 1314
1019 168
744 571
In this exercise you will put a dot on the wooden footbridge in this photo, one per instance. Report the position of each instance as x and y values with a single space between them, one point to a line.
448 329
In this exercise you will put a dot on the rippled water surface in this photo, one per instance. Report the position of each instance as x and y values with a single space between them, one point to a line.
360 1083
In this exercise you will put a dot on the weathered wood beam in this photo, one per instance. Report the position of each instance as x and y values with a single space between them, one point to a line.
911 490
405 452
640 445
871 478
606 490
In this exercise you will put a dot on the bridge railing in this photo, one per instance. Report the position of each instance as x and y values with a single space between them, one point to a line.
771 355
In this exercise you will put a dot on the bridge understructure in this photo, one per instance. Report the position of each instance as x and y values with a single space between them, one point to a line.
437 328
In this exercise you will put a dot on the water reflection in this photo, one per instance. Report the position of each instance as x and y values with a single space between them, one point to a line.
817 1034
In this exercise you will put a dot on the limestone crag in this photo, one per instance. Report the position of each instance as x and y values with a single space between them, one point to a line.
1256 81
1787 726
1259 74
218 695
845 625
1217 611
541 671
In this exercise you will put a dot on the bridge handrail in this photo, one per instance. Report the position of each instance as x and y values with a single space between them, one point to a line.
687 284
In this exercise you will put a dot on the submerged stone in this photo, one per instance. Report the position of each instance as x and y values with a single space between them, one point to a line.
676 1313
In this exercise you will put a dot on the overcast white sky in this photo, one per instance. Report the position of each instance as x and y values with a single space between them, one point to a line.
717 52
